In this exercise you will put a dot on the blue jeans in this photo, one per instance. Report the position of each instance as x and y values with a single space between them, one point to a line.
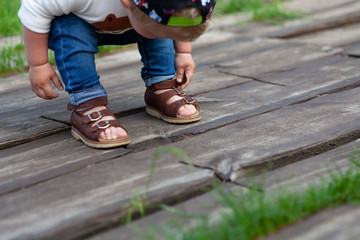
75 42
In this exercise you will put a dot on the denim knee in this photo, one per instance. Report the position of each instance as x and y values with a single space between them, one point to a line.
74 42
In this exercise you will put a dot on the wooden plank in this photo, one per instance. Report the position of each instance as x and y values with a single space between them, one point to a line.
335 37
338 17
283 136
295 176
314 16
205 205
23 119
122 99
321 5
306 172
126 96
271 61
231 113
353 50
119 84
219 108
92 198
45 159
326 121
330 224
333 223
317 126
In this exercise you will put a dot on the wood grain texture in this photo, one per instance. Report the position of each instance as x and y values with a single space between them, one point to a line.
91 198
126 89
330 224
220 108
336 17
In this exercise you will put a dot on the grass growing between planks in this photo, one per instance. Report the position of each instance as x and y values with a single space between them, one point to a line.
255 214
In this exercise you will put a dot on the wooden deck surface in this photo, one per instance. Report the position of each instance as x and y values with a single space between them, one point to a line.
279 98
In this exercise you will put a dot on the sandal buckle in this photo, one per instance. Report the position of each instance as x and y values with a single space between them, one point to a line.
97 118
103 127
191 101
178 92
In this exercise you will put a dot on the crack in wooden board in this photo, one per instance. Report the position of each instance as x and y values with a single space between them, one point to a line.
321 119
220 108
125 96
70 205
304 173
295 176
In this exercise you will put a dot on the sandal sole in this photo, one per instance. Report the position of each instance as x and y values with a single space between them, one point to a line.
178 120
100 144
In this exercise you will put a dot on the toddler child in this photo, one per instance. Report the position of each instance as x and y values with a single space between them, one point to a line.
73 29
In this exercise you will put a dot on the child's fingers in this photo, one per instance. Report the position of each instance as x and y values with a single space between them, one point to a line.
180 75
188 75
57 82
47 92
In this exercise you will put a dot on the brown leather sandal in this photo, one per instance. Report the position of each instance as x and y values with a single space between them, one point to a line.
84 129
157 106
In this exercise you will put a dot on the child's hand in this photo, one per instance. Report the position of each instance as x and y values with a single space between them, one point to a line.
185 67
40 78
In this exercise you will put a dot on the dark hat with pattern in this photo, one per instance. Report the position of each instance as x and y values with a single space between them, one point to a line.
162 10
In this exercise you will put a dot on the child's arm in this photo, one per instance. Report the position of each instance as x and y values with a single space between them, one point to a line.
184 62
40 71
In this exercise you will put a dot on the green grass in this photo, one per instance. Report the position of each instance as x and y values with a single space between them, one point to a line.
9 22
256 214
12 58
275 14
272 11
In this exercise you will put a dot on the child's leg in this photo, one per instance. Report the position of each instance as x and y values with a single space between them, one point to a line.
158 57
74 42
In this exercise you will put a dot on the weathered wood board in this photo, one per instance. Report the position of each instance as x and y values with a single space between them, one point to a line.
338 37
87 200
321 6
353 50
47 158
295 177
266 103
336 17
126 95
254 95
219 108
306 172
101 188
205 205
330 224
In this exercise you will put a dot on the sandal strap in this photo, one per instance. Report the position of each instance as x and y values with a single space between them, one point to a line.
85 123
159 101
164 85
83 107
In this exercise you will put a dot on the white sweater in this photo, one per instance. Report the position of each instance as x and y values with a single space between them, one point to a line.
107 16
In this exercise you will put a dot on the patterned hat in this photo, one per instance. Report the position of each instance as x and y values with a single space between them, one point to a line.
162 10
